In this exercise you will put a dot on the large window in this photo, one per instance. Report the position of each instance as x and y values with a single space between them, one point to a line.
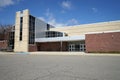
48 26
11 40
21 25
54 34
31 29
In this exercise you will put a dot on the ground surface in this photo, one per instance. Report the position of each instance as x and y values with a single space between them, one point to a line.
51 67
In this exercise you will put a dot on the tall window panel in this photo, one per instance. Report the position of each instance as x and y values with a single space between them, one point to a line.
21 25
31 29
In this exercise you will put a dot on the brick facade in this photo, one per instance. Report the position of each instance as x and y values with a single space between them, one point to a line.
103 42
52 46
1 36
32 47
3 44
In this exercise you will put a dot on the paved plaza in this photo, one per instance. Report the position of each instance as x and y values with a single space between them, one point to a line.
59 67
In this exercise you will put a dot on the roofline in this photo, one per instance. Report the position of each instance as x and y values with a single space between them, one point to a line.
63 39
90 24
103 32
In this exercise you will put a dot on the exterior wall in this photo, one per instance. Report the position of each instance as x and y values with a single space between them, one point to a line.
87 28
77 46
4 32
7 38
103 42
3 44
11 41
52 46
22 46
2 36
32 47
40 28
107 43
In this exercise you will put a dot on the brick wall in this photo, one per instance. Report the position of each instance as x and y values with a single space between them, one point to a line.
103 42
3 44
1 36
32 47
52 46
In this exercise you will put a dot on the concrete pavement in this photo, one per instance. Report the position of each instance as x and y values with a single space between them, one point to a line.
49 67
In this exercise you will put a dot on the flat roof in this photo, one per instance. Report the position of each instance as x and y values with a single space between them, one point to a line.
59 39
97 23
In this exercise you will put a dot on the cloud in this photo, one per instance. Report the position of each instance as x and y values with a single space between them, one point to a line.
55 23
49 15
67 23
4 3
72 22
49 18
63 11
94 10
66 4
42 18
52 20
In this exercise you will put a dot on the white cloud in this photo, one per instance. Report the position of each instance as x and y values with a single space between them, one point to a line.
4 3
63 11
72 22
95 10
42 18
67 23
48 13
52 21
55 23
66 4
49 18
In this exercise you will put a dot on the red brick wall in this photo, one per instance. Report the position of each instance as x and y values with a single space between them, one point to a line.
2 36
103 42
52 46
32 47
3 44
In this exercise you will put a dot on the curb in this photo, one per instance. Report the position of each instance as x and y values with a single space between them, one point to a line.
58 53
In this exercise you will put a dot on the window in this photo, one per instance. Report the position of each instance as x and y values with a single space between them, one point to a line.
54 34
48 26
21 25
31 29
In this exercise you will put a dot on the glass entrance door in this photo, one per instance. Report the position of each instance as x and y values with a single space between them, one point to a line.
82 47
76 47
71 47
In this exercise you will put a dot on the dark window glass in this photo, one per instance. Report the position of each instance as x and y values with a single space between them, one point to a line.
31 29
21 25
54 34
48 26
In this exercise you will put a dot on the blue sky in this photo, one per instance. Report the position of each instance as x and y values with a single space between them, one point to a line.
62 12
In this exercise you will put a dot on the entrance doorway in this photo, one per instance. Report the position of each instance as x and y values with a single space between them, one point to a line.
76 46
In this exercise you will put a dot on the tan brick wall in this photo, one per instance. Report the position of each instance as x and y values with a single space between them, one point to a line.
87 28
22 46
103 42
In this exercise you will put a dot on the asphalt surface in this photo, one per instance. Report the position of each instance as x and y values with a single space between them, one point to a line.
49 67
